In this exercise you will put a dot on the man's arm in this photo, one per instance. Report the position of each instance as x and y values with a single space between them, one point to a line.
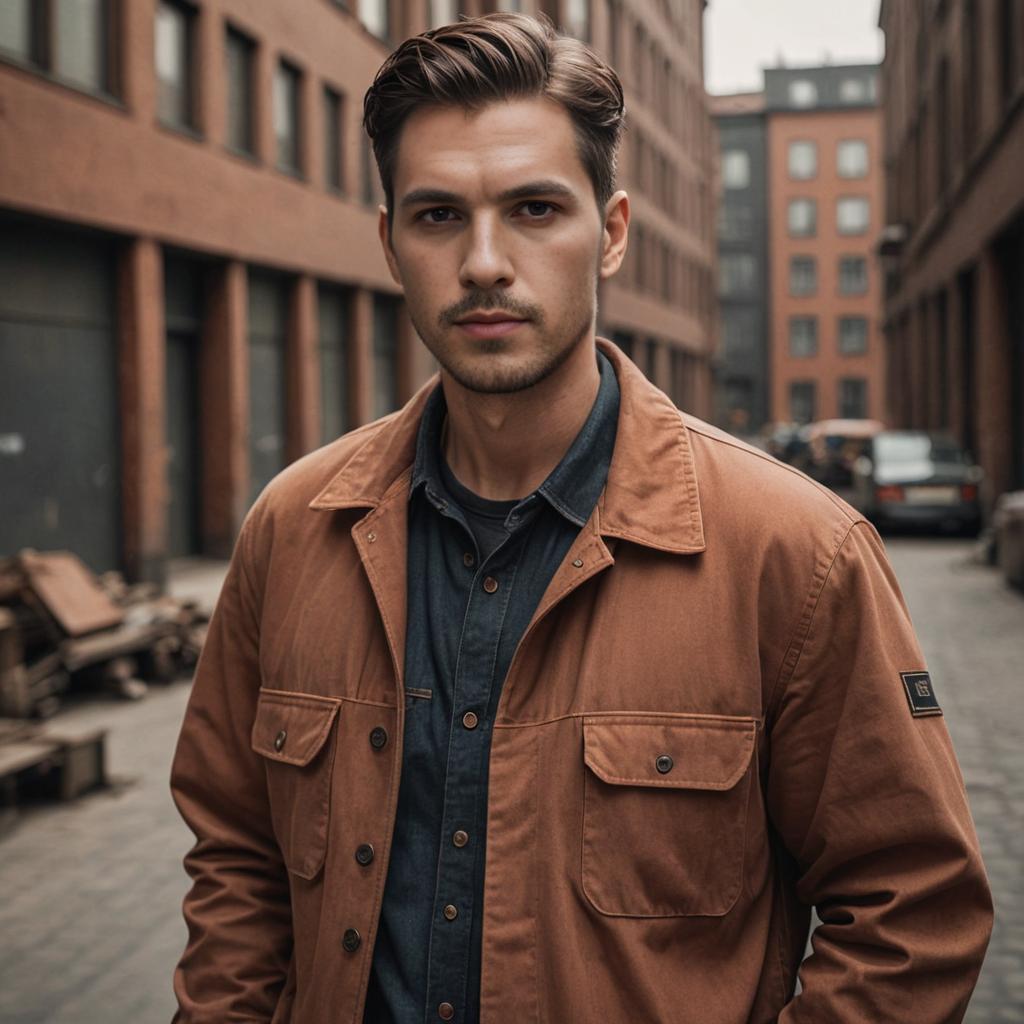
238 911
865 791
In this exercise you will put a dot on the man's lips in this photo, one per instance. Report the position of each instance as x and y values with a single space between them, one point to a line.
489 325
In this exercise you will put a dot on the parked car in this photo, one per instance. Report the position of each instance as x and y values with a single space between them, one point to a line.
834 447
918 479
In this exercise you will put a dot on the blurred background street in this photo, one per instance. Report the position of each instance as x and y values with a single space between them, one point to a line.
826 258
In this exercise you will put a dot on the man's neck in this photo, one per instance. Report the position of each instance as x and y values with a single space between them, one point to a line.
503 447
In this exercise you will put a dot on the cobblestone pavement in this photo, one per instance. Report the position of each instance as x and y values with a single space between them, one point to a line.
90 918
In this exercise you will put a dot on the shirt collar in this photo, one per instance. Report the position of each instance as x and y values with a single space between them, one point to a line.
572 487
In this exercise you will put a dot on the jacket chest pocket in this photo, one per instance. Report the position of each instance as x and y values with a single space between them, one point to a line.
295 735
664 813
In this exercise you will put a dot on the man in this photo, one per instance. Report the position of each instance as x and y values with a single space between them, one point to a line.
539 701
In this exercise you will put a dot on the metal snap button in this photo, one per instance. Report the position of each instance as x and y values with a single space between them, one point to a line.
451 912
460 838
351 940
280 738
664 764
364 853
469 560
469 720
578 562
378 737
446 1011
490 584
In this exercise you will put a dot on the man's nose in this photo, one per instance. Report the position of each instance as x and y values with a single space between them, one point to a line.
485 261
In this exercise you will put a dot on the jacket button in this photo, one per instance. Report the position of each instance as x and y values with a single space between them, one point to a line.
578 563
446 1011
280 738
460 838
469 720
490 584
364 854
378 737
664 764
469 560
451 912
351 940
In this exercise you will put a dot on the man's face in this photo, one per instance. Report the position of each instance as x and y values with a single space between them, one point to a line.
497 240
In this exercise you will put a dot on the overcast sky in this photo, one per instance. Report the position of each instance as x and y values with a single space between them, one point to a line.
743 36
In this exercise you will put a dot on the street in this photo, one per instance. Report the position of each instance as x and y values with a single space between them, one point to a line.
92 891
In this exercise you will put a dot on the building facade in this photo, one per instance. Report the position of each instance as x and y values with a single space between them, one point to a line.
953 244
192 292
825 211
741 380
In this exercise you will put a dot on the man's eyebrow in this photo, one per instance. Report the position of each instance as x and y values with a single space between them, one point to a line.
419 196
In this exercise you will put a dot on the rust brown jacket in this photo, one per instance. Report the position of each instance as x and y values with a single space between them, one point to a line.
719 609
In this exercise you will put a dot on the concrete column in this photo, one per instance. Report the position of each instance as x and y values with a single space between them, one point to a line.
303 369
224 391
142 365
994 377
361 358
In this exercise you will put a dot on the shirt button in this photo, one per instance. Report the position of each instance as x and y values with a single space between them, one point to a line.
451 912
460 838
280 738
490 584
469 720
468 560
378 737
446 1011
364 853
351 940
664 764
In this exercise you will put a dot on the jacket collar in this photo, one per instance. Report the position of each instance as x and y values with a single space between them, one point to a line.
651 496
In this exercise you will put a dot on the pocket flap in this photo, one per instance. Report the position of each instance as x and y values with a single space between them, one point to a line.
292 727
704 751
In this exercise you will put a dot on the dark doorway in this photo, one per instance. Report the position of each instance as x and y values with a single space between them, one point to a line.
183 304
1011 257
268 335
59 449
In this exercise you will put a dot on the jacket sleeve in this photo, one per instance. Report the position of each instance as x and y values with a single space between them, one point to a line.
868 799
237 911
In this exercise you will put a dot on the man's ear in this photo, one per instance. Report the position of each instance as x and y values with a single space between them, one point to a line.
385 242
616 230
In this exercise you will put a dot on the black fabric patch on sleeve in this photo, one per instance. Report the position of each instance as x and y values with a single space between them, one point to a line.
920 694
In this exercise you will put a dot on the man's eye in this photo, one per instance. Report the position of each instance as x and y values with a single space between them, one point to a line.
536 208
438 215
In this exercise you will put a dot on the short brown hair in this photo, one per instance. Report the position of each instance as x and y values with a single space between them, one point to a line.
493 58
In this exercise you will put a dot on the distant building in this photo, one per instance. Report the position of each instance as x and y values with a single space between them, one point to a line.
953 244
191 288
741 390
824 215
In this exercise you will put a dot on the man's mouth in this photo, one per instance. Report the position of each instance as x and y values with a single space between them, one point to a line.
489 325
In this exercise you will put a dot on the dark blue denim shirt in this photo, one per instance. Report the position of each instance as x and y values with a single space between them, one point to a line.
466 615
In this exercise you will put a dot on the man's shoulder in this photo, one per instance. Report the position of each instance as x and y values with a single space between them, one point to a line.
753 492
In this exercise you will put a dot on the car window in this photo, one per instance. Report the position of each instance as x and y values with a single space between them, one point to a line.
915 447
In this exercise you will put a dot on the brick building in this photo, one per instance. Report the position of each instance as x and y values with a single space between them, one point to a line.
953 244
191 288
824 214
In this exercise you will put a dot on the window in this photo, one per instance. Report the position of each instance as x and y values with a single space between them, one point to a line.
853 275
853 398
803 93
803 160
735 223
737 273
510 6
17 31
802 400
853 335
803 336
374 15
736 168
80 42
803 275
333 319
577 18
854 90
332 139
852 158
852 215
173 42
442 12
239 53
385 355
802 217
287 80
